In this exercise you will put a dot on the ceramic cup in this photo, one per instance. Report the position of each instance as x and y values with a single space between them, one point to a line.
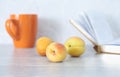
23 29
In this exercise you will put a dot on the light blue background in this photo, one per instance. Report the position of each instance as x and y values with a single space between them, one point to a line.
54 15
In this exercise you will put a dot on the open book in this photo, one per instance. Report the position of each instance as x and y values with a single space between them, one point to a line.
97 30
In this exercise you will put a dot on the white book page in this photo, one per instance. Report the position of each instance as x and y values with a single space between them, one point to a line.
95 27
83 31
115 42
110 49
82 23
87 24
101 27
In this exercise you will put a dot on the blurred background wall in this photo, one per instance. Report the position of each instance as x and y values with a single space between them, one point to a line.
54 15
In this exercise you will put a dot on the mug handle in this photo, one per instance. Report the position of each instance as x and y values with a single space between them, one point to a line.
8 24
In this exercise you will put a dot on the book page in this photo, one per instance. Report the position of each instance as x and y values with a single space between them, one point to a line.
114 42
87 24
96 27
101 27
83 31
82 23
112 49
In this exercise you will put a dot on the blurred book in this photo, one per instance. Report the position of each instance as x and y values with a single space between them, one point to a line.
94 26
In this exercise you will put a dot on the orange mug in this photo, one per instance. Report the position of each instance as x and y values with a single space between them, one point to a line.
23 29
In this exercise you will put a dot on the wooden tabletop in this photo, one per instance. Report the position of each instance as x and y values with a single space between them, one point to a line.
27 63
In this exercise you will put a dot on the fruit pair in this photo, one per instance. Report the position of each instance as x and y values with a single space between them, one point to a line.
56 52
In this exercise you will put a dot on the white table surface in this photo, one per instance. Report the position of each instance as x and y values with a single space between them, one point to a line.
27 63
